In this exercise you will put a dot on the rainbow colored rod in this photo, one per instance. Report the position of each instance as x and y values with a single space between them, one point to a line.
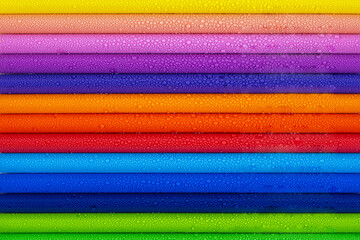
180 163
179 203
174 236
181 142
180 123
180 183
179 6
179 83
180 223
179 63
178 23
180 43
179 103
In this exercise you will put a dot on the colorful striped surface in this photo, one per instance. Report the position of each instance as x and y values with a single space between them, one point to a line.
173 120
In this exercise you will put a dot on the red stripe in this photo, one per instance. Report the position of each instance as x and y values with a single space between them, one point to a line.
59 143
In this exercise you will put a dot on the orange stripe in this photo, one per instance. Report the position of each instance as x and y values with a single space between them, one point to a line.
231 123
180 23
180 103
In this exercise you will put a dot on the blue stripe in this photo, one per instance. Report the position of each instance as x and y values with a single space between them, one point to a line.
180 163
180 203
179 83
180 183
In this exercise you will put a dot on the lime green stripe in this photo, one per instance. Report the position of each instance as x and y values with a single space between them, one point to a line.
180 236
179 222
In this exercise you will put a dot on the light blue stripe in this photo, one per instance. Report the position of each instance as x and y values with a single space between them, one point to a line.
180 163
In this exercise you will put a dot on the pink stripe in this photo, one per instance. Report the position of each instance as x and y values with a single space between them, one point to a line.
180 43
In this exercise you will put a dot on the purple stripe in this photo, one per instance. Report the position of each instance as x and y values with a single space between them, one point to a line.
179 63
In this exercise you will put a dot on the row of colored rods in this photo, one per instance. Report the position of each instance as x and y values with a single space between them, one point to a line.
176 120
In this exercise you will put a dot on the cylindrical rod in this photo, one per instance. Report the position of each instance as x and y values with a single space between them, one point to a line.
179 223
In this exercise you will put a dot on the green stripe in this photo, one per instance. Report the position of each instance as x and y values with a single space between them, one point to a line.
145 236
180 223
